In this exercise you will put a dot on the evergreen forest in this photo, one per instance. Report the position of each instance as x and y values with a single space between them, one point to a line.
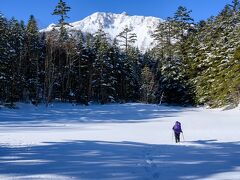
191 64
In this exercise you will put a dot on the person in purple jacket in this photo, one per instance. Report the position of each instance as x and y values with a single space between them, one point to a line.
177 131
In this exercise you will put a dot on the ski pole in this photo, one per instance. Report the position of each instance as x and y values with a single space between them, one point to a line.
183 137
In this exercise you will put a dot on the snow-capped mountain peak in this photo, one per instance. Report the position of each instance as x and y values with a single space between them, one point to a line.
113 24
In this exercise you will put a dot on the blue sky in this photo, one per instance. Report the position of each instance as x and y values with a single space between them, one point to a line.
42 9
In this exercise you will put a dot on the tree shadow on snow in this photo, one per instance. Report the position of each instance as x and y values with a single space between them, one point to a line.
88 114
123 160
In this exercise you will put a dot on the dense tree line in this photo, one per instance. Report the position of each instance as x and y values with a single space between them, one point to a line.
191 64
68 67
199 63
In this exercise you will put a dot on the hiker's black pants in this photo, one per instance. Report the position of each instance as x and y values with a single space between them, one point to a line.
177 137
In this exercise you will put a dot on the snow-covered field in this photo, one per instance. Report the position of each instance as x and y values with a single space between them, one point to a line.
118 142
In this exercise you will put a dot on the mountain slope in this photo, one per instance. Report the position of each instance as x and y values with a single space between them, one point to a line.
113 24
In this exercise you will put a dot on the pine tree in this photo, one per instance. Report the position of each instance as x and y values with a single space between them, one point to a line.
171 37
133 74
33 57
61 10
126 39
183 22
14 46
102 67
184 26
147 87
80 69
3 58
116 60
64 54
89 57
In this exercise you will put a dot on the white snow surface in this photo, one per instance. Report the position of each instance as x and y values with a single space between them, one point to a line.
113 24
118 141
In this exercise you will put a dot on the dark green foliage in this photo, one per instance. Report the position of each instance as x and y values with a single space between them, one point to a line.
191 64
61 10
174 73
217 77
33 61
201 66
